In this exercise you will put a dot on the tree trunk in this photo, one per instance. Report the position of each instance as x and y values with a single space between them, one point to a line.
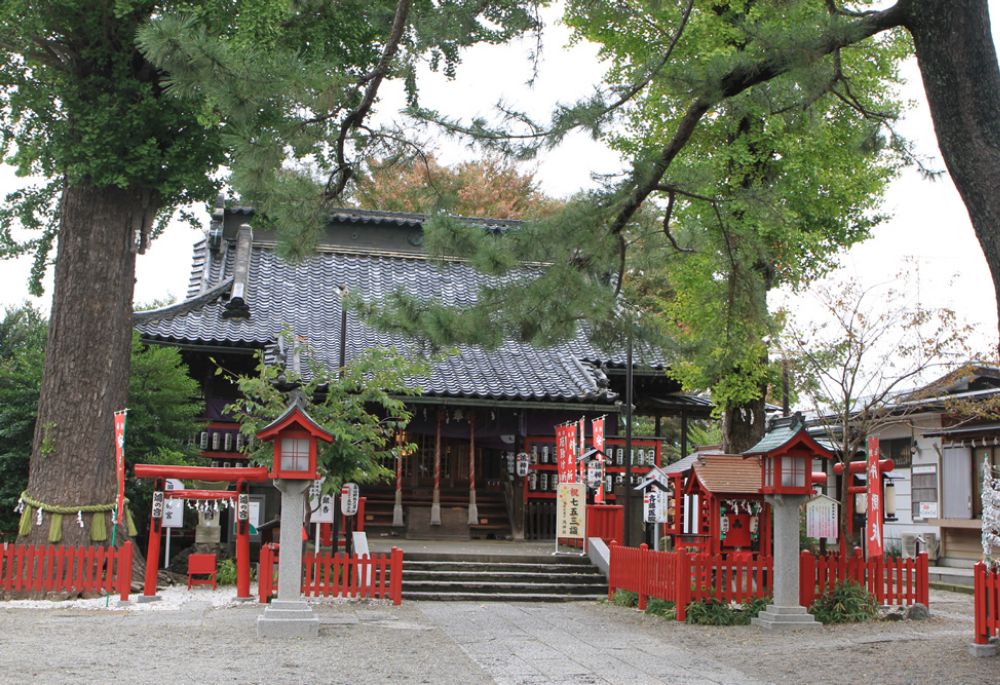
85 378
958 64
743 426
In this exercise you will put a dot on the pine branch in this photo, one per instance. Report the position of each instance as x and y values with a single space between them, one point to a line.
373 80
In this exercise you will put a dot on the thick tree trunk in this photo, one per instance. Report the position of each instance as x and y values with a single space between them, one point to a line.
743 426
958 64
85 378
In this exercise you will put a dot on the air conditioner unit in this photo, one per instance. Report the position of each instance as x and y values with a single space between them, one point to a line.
933 545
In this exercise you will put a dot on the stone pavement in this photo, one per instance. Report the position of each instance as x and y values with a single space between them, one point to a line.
568 643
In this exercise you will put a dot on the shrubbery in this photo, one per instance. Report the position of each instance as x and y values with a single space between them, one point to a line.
715 612
846 603
624 598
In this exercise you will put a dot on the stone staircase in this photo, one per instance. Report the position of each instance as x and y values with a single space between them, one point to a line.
500 578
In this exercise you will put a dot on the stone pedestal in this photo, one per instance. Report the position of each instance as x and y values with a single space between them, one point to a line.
287 619
786 612
397 510
289 615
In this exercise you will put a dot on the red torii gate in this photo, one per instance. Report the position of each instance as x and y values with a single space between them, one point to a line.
240 475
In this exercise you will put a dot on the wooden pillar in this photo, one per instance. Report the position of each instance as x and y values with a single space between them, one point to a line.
473 509
436 501
242 548
153 548
397 507
684 434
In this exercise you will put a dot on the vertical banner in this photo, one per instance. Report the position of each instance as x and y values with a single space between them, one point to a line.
565 448
581 468
873 523
597 429
120 462
571 511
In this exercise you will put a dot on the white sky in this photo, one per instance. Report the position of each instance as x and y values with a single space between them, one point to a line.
930 227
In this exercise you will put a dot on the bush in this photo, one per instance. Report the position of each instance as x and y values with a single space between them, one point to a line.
847 603
225 574
661 607
715 612
624 598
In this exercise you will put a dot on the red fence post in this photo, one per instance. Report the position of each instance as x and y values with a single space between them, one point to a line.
807 578
396 576
982 633
682 579
613 563
125 570
643 574
923 580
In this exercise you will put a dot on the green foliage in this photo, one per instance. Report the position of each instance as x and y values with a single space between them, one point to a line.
225 573
661 607
624 598
22 355
294 83
81 106
362 408
714 612
163 410
848 602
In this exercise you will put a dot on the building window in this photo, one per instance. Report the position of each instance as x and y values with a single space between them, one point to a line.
900 450
924 490
793 472
982 457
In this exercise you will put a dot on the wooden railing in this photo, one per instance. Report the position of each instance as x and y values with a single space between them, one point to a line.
682 577
605 521
56 568
890 581
377 576
986 583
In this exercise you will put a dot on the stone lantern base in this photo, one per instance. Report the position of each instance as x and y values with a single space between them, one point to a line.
287 619
784 618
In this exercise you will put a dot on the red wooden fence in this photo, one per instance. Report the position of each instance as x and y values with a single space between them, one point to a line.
987 600
682 577
56 568
890 581
339 575
605 521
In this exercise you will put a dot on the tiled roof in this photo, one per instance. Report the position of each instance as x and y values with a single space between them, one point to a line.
779 432
728 473
305 297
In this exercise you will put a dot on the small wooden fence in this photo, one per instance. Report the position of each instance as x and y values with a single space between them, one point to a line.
377 576
57 568
987 600
682 577
890 581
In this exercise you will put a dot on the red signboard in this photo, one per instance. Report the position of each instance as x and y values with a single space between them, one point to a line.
566 452
597 428
873 525
120 463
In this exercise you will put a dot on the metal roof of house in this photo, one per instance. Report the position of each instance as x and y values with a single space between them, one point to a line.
305 298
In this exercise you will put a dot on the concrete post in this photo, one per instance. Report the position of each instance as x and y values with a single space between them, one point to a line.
785 612
289 615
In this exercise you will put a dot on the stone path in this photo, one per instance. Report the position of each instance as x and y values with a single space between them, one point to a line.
568 643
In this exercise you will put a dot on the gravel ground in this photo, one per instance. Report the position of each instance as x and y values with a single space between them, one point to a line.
204 637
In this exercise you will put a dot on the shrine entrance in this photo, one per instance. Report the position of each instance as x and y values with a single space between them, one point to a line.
239 498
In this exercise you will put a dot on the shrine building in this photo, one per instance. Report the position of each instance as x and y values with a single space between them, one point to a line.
477 407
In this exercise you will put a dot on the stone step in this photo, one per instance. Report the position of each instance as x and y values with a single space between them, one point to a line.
498 597
523 559
462 585
463 567
500 577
